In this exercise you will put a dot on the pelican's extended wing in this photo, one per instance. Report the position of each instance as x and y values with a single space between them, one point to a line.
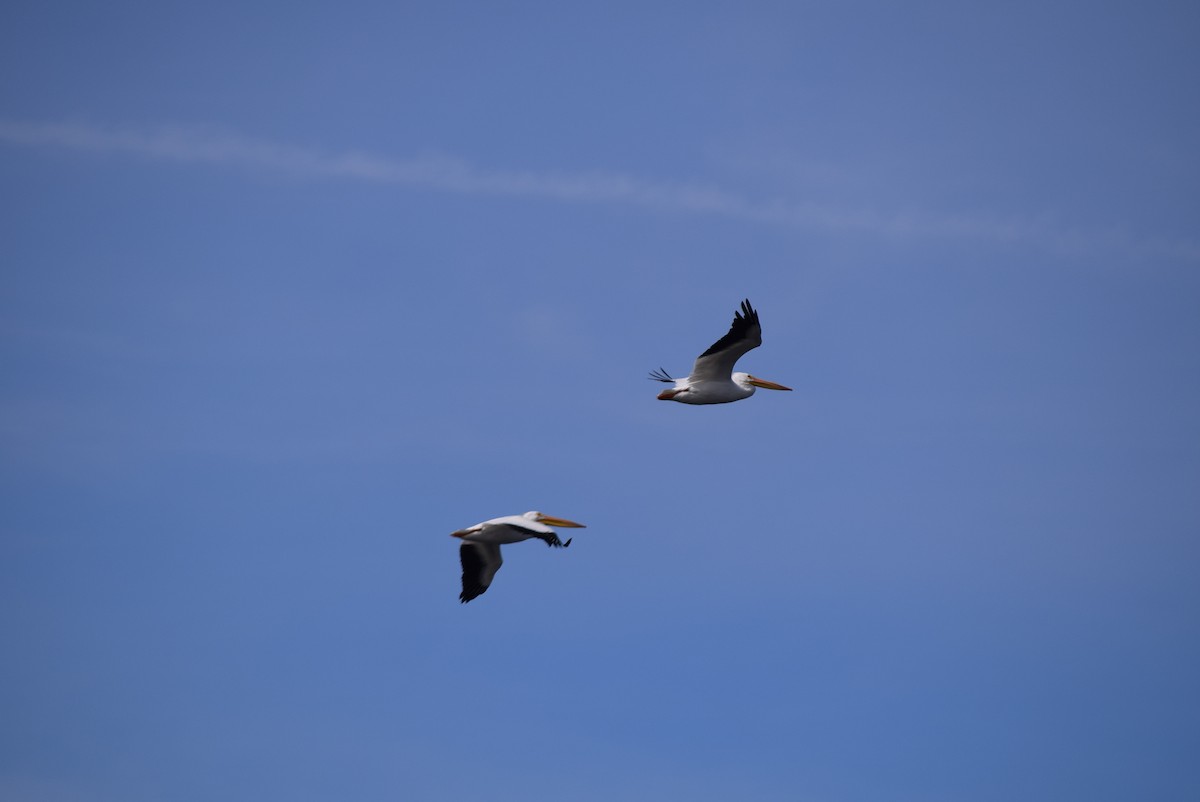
717 362
480 562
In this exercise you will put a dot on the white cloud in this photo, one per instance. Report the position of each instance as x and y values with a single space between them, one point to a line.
206 146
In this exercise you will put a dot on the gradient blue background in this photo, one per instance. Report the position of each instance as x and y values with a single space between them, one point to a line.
292 291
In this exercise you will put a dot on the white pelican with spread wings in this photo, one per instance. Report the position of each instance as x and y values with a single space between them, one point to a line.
712 380
480 550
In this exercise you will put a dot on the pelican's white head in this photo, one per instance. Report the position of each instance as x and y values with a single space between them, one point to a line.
550 520
749 382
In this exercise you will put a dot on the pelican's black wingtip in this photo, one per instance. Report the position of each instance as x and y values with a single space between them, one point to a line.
660 375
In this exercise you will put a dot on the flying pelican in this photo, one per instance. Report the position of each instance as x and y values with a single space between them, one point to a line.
480 551
712 380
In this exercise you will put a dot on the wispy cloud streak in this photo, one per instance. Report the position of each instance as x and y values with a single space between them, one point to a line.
203 146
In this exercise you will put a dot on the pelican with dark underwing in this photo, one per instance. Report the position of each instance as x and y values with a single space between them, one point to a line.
712 380
480 549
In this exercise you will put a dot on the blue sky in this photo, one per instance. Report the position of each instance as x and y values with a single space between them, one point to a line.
290 293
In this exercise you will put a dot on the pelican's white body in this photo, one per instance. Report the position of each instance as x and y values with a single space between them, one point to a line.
505 529
702 390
